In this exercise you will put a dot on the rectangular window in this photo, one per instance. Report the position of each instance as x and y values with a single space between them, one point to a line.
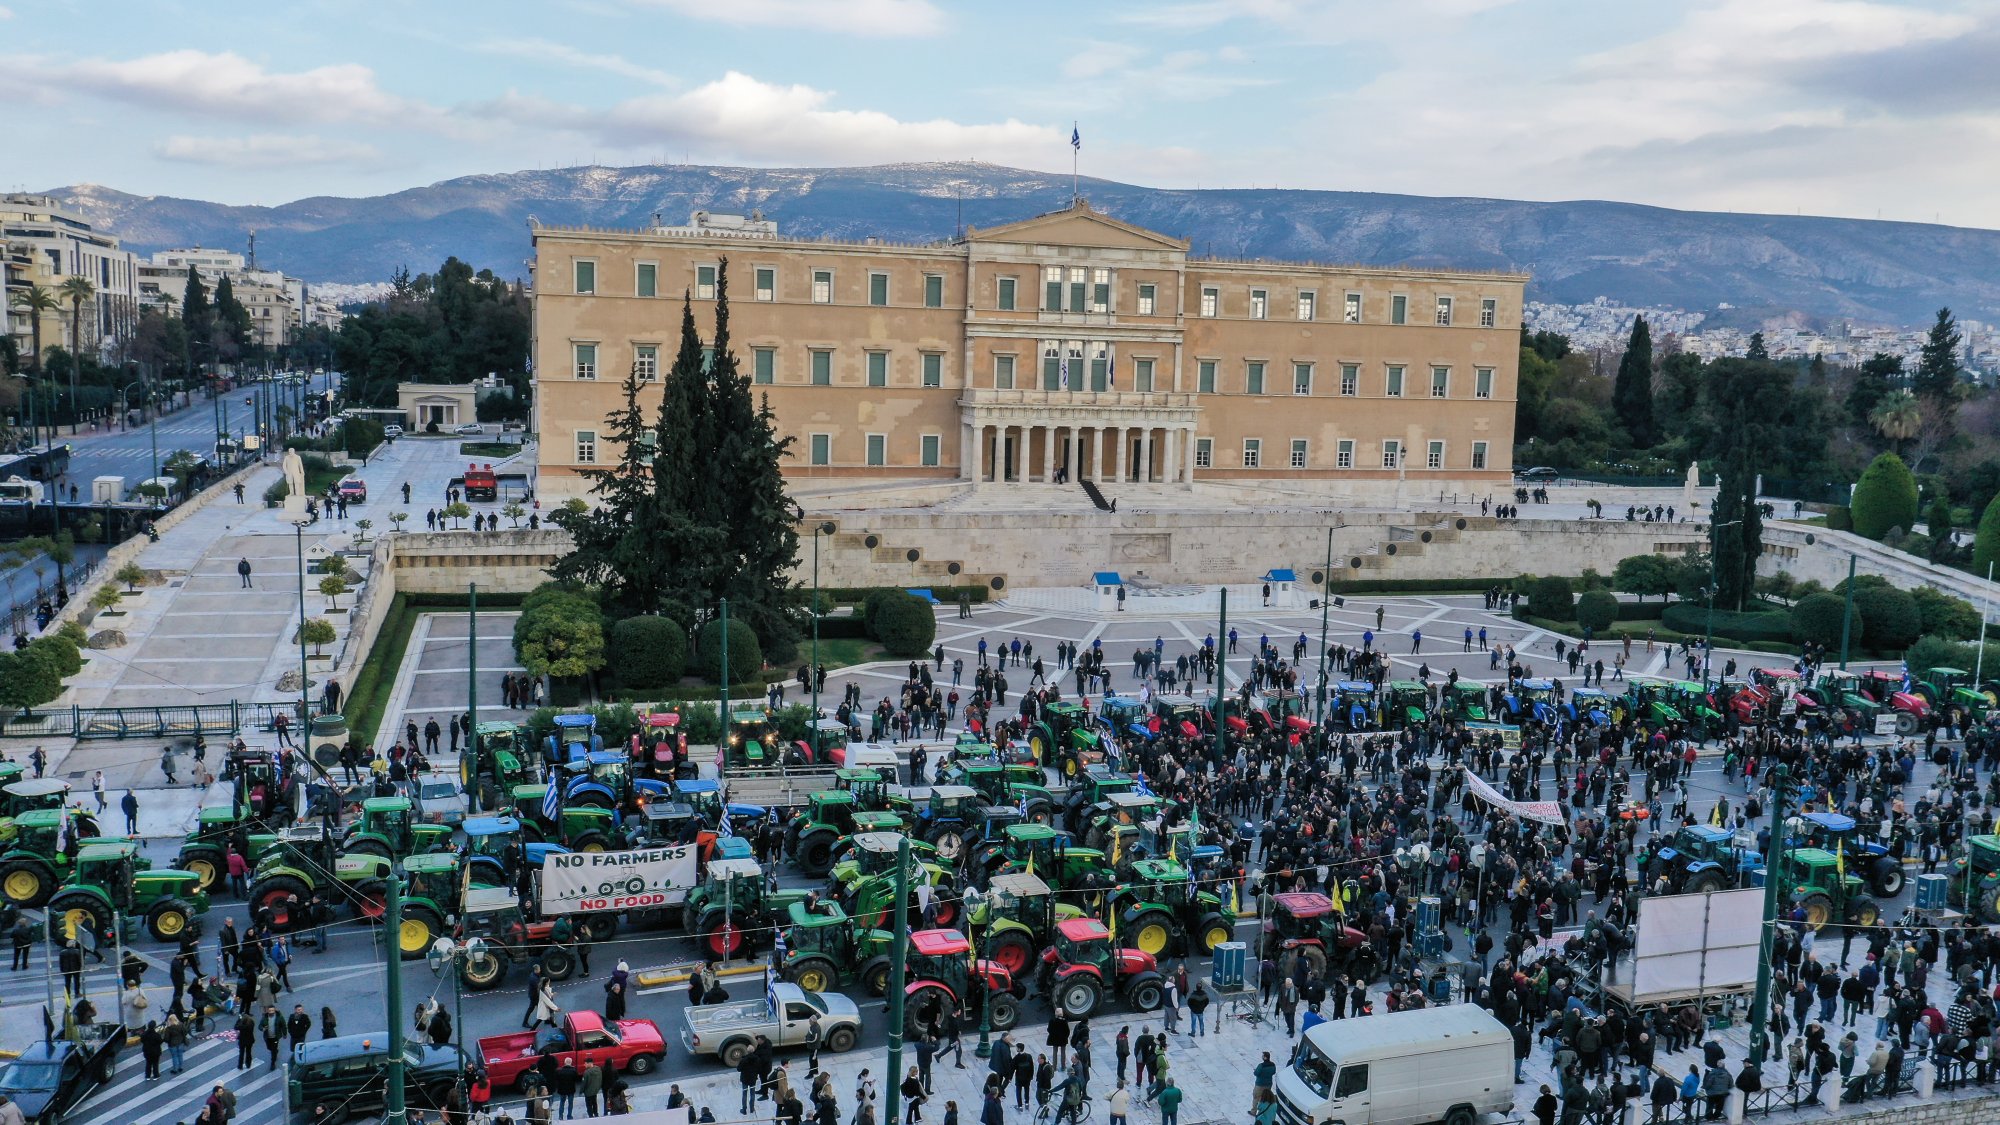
933 291
647 281
1352 313
1343 456
1350 379
1307 300
1478 454
1100 367
1079 289
822 287
646 362
878 449
767 283
1399 310
1434 455
1392 453
707 358
1052 370
1302 378
928 445
1005 294
1148 294
1253 453
821 446
586 276
1444 310
1395 386
933 370
1205 376
586 447
1204 453
1259 304
1482 382
1142 375
878 369
1298 453
763 365
878 288
1100 291
1052 289
822 368
586 361
1211 297
1253 379
704 283
1440 382
1489 312
1003 372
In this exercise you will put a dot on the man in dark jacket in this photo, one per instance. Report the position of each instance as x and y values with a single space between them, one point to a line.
1024 1075
299 1025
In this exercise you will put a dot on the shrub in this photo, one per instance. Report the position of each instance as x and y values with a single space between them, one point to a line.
560 632
131 574
1885 497
1552 598
1597 609
1840 517
1693 617
318 633
905 625
648 652
1931 651
746 657
1946 616
1816 619
1891 617
105 598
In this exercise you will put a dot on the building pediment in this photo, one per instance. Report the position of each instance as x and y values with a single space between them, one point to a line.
1078 225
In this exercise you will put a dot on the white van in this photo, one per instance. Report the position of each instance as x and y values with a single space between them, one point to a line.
1448 1064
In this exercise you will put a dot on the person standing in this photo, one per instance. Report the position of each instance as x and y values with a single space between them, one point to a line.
1169 1100
130 804
243 572
175 1033
272 1027
246 1039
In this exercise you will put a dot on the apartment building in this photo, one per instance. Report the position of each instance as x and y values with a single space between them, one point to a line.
44 242
1063 346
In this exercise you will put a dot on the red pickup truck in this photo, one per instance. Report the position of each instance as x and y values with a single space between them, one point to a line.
630 1045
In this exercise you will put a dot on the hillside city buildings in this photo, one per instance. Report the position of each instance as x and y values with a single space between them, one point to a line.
1065 345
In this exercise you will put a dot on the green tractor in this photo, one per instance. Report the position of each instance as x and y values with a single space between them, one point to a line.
733 909
832 814
35 864
1119 810
580 828
502 762
951 815
388 828
109 879
1953 687
301 875
752 742
1693 702
1465 702
826 950
1975 880
1021 787
863 877
1160 911
1066 739
432 888
205 851
1088 794
1839 695
1037 849
1405 703
1653 705
1825 892
46 794
1015 919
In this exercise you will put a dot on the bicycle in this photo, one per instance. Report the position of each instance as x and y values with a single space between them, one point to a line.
1053 1113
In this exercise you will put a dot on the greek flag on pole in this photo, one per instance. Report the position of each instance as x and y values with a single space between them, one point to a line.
1075 138
725 828
1063 368
552 799
1139 783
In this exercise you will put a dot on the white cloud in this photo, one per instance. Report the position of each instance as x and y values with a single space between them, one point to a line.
6 13
594 61
264 150
870 18
226 85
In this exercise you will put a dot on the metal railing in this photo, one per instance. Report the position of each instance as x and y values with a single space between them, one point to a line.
1778 1099
120 723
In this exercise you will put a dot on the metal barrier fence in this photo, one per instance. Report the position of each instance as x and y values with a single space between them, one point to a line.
120 723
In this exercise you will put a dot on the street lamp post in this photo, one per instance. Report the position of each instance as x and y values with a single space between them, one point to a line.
1847 611
812 674
1708 627
985 1048
1325 602
449 954
305 709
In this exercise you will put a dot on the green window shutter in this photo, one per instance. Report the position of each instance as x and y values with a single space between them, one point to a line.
933 370
878 369
1255 379
764 364
934 292
648 279
1205 380
878 289
822 369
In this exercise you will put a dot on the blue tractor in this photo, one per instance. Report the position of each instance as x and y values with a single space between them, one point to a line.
1704 857
1530 699
575 737
495 849
1589 706
603 779
1353 706
1864 855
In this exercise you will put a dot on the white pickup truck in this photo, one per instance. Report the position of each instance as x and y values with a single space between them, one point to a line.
729 1030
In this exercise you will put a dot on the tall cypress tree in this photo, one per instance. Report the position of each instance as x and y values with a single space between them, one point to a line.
690 539
1632 393
615 539
1937 365
1734 449
197 317
1757 350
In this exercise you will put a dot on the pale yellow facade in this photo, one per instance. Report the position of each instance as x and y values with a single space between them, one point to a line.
1066 345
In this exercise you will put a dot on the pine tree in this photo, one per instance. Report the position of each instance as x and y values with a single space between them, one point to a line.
197 318
1873 380
1757 351
1737 548
1632 394
690 537
1937 366
614 542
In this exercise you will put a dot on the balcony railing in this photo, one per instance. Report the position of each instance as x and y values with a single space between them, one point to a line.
1153 400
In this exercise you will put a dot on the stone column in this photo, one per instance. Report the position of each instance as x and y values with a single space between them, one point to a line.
1014 462
1169 467
1146 456
1119 440
1187 458
1048 454
971 454
1097 456
1075 440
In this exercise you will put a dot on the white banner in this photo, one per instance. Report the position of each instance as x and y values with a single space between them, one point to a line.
590 882
1885 722
1695 944
1542 812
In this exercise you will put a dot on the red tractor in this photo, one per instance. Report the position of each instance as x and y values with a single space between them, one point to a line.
1084 964
1303 925
942 976
1886 688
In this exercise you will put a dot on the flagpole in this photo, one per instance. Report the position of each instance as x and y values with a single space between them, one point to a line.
1074 150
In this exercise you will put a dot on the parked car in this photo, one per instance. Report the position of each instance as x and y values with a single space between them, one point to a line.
1539 472
354 490
53 1076
513 427
347 1073
470 429
729 1030
392 430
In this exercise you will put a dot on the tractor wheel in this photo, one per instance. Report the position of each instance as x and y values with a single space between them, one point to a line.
592 841
946 910
591 799
840 1039
814 974
875 977
74 911
925 1009
368 845
558 964
1013 950
1041 812
1906 723
288 899
1145 992
796 757
1818 908
1863 911
1078 996
169 919
370 899
421 926
1003 1012
486 971
1152 931
792 831
1987 904
1887 878
1706 882
26 882
597 927
1071 766
720 937
949 840
814 854
1215 929
1039 746
1315 959
208 865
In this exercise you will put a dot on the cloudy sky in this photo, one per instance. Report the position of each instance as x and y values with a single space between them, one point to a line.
1845 107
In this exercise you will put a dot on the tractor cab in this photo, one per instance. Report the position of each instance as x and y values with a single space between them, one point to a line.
1531 699
751 743
1653 704
870 789
824 947
1016 918
1129 808
1126 714
704 796
1099 783
658 746
1353 706
1084 964
953 803
1298 918
492 914
34 793
1465 701
1954 687
666 821
258 784
1694 702
1161 880
493 848
1593 706
575 737
996 821
737 883
388 827
501 737
434 877
825 743
1182 714
874 853
1825 891
1406 704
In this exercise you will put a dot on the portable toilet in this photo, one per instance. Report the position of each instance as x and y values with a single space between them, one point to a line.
107 490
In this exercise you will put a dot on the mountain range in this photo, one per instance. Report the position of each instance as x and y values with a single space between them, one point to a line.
1824 268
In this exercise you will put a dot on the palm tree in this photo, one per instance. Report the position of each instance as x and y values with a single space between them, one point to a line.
78 289
1898 417
36 300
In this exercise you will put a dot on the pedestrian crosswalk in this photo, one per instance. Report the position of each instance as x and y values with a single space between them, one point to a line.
132 1100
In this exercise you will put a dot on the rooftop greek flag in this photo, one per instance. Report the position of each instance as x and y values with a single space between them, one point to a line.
1075 138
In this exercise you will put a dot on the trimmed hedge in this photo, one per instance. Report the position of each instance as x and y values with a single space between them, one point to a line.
1641 611
946 594
1891 615
746 657
648 652
1885 498
1552 597
1840 518
904 624
1816 618
1596 609
841 629
1690 618
1416 585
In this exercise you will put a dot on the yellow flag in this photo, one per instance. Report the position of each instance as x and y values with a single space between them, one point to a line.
1840 858
1715 814
1031 861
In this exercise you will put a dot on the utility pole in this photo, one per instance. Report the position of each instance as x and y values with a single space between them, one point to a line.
305 681
899 935
392 998
1774 863
723 669
1319 691
472 678
1222 681
1847 613
1979 661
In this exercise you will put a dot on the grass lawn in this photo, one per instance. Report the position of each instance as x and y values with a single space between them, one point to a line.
488 448
842 652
